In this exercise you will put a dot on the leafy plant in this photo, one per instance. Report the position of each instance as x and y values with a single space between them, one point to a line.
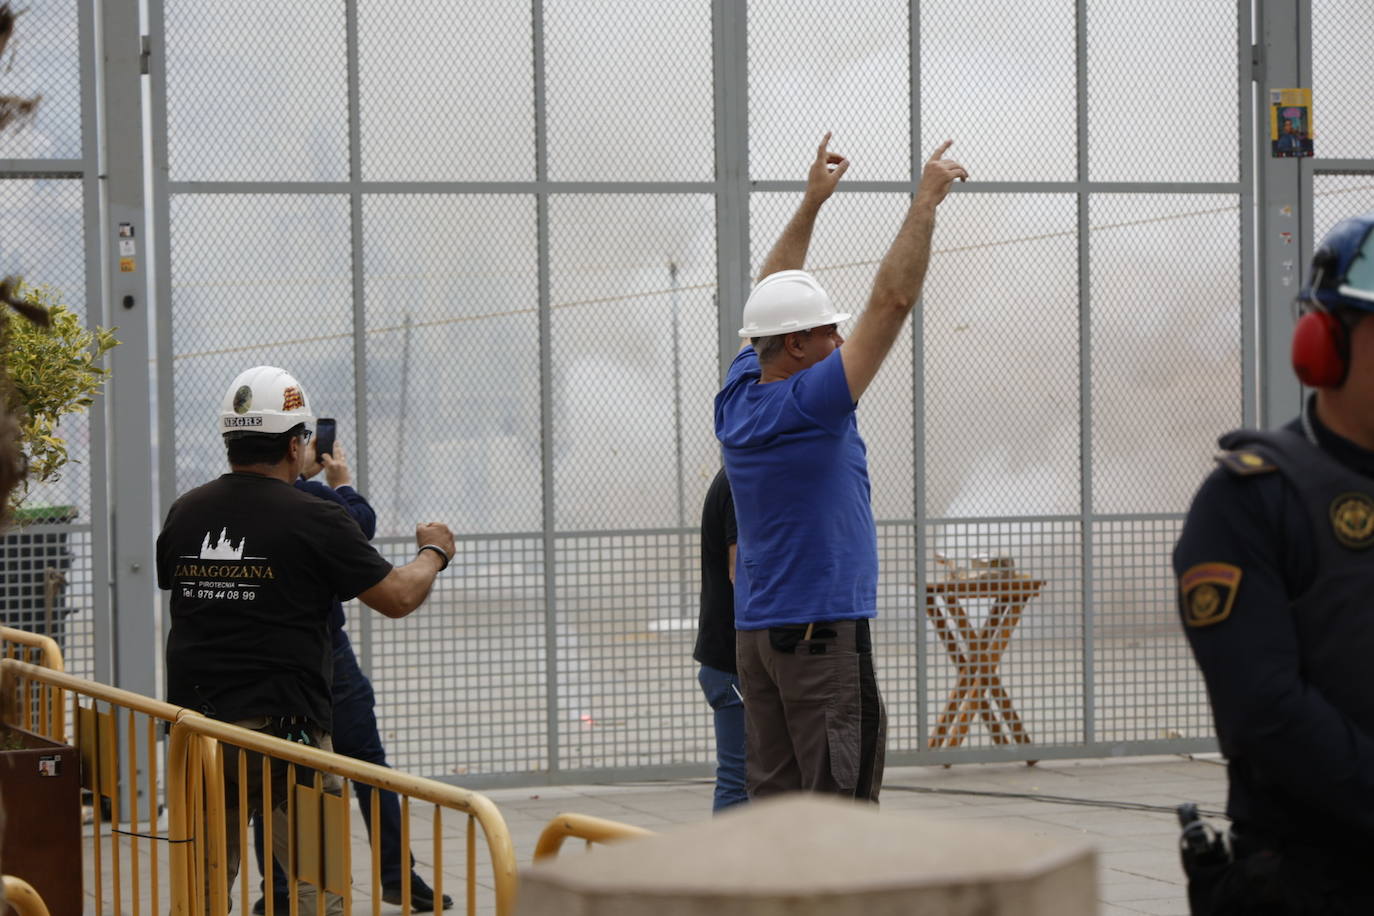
52 372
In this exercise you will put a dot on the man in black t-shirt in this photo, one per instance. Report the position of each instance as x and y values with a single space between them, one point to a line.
715 647
254 565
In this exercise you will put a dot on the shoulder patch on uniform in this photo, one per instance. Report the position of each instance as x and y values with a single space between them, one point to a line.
1245 462
1352 520
1209 591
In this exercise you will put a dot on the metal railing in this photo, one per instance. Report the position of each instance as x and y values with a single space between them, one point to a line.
319 822
46 712
117 736
20 896
583 827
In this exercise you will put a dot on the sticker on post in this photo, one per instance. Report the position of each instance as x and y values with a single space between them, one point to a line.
126 230
50 766
127 248
1290 123
127 265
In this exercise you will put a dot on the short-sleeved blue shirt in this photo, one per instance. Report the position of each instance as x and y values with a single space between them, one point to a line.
807 548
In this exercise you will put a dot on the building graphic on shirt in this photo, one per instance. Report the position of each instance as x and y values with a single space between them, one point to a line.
222 548
229 569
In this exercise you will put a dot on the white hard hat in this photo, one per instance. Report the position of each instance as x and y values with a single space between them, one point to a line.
788 301
264 400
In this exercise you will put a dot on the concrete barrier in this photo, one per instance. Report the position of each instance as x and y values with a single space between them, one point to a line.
811 855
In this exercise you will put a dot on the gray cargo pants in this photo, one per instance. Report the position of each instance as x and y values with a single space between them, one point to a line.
814 719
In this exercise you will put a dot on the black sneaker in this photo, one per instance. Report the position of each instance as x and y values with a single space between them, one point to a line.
260 908
421 895
281 909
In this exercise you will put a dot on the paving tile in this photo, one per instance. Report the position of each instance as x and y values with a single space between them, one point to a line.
1134 888
1175 906
1137 851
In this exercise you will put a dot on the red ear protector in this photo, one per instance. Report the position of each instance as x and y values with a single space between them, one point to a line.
1321 347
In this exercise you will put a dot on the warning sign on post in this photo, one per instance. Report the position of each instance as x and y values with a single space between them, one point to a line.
1290 123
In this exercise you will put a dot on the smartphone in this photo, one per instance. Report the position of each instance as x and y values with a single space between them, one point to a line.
324 436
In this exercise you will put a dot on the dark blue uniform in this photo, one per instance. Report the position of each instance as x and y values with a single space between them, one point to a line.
355 729
1276 592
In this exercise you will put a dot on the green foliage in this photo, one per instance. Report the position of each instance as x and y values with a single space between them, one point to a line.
52 372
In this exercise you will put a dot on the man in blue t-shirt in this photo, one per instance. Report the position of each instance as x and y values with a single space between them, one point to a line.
807 572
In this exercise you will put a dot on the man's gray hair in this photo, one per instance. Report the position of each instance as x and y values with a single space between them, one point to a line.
768 348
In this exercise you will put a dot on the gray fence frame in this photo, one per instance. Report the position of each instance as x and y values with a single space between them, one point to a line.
732 189
1279 56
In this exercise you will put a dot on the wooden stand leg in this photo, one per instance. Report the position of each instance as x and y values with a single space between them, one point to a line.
966 676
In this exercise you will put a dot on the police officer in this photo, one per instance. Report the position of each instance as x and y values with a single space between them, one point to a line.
1276 590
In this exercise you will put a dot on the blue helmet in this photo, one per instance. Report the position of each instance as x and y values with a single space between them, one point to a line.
1342 272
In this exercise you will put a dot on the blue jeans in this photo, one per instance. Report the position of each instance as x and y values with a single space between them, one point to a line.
722 692
355 735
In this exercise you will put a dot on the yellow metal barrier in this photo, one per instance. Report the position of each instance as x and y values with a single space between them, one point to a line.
132 864
318 822
112 729
22 898
43 651
584 827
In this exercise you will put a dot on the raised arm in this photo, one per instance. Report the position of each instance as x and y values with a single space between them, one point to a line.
789 252
901 275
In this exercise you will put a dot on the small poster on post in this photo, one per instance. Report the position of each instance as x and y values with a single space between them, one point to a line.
1290 123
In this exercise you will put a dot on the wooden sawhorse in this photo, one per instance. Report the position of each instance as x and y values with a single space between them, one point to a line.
977 653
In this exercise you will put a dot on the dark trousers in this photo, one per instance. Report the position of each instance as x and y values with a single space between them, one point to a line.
722 692
814 719
355 735
251 797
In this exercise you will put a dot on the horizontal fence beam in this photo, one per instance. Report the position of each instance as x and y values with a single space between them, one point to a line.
1343 166
46 168
391 540
443 187
705 187
1016 753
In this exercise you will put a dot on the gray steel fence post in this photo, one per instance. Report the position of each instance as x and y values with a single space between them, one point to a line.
355 232
541 177
1085 392
99 457
1246 74
128 404
918 397
161 249
1284 219
731 72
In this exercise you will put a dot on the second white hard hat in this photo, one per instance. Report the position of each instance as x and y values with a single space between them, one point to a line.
788 301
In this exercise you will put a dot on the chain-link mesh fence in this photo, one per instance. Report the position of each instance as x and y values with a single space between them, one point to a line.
1157 114
811 71
634 358
446 90
1011 79
606 63
1337 197
1166 361
256 92
47 552
452 343
1341 124
42 61
511 304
